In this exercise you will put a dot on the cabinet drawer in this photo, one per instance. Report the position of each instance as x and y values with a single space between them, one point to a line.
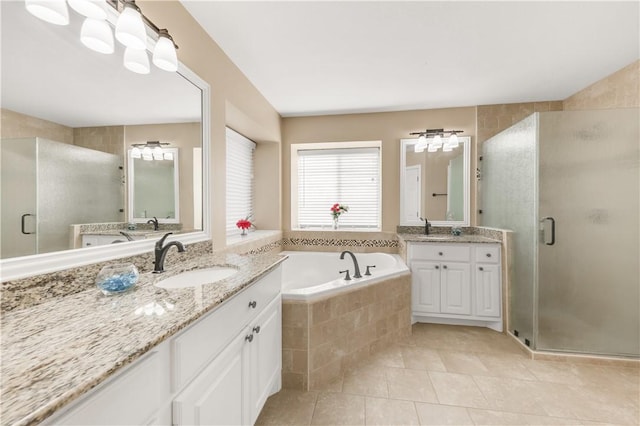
440 252
488 253
192 349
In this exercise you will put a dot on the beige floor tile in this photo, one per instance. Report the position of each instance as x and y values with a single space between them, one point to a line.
554 372
288 407
510 395
464 363
435 414
338 409
598 404
457 389
412 385
421 358
506 365
492 417
369 382
391 357
380 411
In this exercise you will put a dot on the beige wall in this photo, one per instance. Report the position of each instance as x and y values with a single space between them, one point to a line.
185 137
389 127
108 139
234 102
16 125
618 90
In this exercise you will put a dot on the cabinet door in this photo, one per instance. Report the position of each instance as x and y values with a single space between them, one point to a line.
425 286
455 289
266 352
216 396
487 288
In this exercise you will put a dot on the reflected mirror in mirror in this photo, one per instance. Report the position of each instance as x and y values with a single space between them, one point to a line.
154 188
435 185
69 116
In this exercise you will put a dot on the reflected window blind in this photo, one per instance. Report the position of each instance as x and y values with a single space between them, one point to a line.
239 180
349 176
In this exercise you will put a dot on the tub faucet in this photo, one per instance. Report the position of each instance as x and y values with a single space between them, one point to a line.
161 252
427 225
355 263
154 222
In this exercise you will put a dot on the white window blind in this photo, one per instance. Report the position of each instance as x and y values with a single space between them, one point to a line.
349 176
239 180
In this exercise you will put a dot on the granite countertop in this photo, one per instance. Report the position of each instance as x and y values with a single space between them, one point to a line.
135 233
56 351
445 238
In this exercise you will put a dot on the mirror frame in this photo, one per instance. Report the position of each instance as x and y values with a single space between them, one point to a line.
37 264
131 176
465 142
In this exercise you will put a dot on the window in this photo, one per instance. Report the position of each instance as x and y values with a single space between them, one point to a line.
346 173
239 179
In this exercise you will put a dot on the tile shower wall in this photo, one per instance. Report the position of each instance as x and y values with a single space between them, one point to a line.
322 339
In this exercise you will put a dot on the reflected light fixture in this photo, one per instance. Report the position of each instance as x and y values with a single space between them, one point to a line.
164 53
136 60
151 150
52 11
90 8
432 139
96 35
130 29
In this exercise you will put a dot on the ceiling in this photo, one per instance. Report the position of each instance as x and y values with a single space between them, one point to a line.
322 57
48 73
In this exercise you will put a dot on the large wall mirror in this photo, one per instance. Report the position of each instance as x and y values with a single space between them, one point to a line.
69 117
434 185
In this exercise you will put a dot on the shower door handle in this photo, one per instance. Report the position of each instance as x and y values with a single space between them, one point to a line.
22 223
553 231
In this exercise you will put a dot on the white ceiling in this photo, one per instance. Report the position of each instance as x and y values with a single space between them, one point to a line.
319 57
48 73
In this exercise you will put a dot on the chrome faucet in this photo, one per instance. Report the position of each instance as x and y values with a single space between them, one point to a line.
355 263
427 225
154 222
161 252
128 237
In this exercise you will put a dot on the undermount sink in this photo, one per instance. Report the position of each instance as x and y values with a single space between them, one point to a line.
197 277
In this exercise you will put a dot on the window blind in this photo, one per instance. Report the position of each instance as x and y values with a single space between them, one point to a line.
349 176
239 179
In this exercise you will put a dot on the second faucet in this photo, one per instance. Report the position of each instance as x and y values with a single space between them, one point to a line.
355 263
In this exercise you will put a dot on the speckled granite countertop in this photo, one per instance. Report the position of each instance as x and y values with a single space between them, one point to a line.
445 238
55 351
137 233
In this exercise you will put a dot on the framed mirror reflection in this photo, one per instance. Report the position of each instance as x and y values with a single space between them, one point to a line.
434 185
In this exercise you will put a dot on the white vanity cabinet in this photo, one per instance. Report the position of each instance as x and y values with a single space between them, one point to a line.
456 283
218 371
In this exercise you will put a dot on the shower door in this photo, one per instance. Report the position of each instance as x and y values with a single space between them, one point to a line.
588 272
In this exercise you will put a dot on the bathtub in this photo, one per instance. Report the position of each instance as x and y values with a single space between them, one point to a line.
314 275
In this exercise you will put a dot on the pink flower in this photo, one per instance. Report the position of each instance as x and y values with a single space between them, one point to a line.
243 224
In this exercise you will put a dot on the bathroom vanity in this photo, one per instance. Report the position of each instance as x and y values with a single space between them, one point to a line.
455 280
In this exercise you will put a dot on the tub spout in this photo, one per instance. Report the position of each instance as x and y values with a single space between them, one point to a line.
355 263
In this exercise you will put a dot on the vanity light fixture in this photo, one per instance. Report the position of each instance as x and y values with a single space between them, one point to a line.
130 30
151 150
431 139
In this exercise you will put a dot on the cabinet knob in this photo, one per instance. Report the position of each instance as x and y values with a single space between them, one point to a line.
488 254
253 304
444 266
256 329
437 267
440 253
481 268
249 338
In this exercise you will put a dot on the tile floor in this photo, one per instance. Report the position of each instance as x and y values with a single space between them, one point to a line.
463 376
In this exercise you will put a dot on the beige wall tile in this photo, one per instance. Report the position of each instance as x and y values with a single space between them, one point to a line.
287 360
294 381
295 314
299 361
618 90
295 338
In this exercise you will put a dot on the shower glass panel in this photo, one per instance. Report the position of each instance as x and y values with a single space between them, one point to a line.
588 292
509 200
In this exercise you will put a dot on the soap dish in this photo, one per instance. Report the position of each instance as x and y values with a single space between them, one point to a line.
117 278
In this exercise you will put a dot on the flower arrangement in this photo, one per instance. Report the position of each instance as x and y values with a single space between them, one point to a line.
336 210
244 224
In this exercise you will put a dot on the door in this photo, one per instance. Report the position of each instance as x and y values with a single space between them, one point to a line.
216 396
266 351
18 193
425 286
588 293
487 290
455 289
412 194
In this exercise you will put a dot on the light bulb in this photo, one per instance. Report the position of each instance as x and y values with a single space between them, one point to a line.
432 148
164 52
89 8
135 152
437 141
146 152
96 35
147 157
418 148
168 156
52 11
453 141
130 29
157 151
446 148
136 61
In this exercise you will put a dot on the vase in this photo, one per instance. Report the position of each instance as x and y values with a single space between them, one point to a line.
244 232
117 278
335 222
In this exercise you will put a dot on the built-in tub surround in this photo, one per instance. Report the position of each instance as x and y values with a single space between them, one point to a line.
357 242
332 329
58 349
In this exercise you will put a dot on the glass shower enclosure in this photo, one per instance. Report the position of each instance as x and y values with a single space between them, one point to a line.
567 184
